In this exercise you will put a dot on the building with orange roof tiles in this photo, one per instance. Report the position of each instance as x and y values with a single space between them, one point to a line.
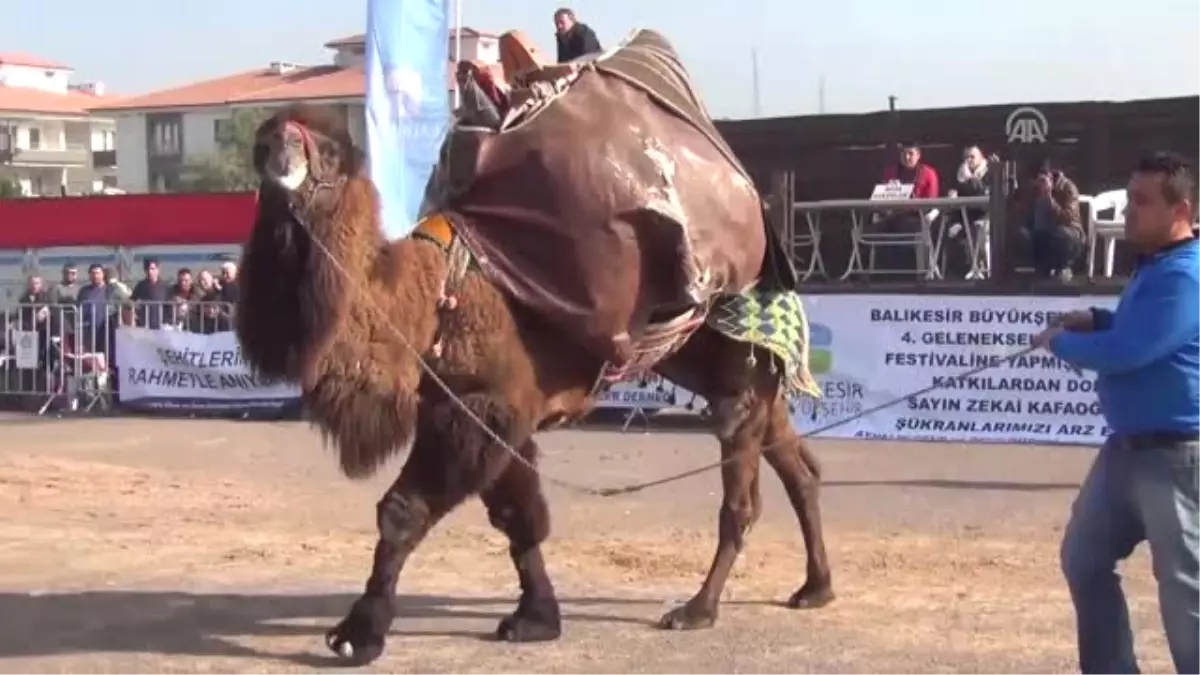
50 142
160 130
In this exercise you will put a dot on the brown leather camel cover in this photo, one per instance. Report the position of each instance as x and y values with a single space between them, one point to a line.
606 200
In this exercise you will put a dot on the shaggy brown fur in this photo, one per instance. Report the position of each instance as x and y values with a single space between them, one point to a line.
327 302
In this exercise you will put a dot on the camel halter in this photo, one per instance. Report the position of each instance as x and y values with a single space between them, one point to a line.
319 182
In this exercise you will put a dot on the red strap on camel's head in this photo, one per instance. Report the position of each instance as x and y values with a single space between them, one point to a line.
310 146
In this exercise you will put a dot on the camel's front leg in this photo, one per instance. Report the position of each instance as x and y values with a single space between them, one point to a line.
406 513
452 458
517 507
741 432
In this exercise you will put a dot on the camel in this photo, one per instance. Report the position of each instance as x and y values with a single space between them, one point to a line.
327 302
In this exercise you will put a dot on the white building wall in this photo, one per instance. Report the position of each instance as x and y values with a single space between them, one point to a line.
199 131
131 153
55 80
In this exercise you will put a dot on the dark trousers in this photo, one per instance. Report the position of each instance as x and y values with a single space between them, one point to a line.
1055 248
957 249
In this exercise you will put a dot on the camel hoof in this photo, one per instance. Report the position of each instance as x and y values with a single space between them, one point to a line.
358 639
349 652
342 648
687 617
515 628
812 596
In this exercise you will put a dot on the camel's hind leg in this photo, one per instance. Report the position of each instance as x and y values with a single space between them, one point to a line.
451 459
742 399
751 419
800 474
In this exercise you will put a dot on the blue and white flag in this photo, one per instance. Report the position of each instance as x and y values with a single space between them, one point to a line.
408 106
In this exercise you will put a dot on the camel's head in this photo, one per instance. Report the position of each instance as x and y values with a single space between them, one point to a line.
302 148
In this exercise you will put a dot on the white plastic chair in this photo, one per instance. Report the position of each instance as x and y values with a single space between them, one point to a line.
1110 229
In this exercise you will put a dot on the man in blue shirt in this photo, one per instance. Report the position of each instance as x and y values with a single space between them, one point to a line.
93 301
1143 484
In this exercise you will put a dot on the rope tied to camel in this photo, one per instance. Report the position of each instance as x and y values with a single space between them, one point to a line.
464 258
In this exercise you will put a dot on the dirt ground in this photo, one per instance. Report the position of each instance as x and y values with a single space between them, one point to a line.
131 545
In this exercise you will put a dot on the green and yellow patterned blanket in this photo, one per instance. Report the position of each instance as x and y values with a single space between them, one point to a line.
774 321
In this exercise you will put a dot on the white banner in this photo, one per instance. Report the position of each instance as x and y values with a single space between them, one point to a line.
178 369
651 392
868 350
25 348
872 349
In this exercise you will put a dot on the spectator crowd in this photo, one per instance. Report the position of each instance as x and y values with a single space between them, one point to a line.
1052 228
88 313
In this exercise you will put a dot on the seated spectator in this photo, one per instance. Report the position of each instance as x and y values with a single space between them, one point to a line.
1053 225
909 170
970 181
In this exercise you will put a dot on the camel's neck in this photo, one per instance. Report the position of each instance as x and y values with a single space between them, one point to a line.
301 279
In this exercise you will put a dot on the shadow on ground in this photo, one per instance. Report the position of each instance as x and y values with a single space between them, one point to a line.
204 625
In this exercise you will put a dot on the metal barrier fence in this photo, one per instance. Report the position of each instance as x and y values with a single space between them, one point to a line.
177 357
64 356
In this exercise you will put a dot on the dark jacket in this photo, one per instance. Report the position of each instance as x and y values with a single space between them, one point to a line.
30 304
153 296
92 301
580 40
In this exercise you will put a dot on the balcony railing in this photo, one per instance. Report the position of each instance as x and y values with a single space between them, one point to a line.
67 156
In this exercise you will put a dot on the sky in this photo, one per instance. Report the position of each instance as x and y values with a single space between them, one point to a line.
933 54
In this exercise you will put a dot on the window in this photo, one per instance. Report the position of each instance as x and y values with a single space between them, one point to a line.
220 130
164 138
35 138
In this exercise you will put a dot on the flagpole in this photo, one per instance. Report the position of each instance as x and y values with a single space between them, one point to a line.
457 51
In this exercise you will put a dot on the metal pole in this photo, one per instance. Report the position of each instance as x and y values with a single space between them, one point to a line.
757 90
457 50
